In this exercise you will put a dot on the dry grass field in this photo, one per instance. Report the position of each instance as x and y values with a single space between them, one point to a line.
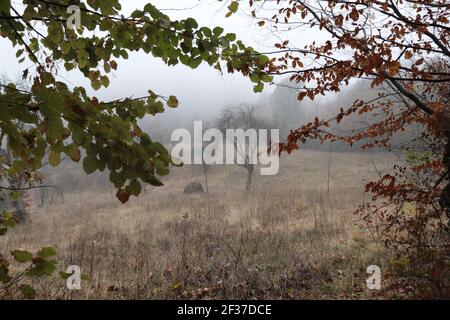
294 237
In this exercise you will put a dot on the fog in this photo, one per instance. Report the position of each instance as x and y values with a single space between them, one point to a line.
201 92
204 92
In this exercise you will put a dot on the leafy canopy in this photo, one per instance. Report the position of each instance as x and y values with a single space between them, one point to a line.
60 119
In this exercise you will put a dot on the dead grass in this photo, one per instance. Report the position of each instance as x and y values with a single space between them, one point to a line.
289 239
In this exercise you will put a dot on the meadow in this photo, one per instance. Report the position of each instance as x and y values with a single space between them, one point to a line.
294 236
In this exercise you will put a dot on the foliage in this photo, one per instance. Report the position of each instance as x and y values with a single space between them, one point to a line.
35 266
52 119
403 46
63 120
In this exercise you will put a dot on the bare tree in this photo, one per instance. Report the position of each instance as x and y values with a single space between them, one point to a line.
243 117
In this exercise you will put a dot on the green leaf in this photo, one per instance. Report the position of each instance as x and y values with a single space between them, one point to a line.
259 87
82 63
151 9
231 36
3 230
56 36
217 31
96 84
124 54
105 81
54 158
80 43
172 102
267 78
4 277
19 52
117 178
65 47
89 165
255 77
134 188
161 168
22 256
5 6
43 268
191 23
46 252
158 147
195 62
74 154
27 291
234 6
155 181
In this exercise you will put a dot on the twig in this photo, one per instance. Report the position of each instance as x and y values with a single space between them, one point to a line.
27 188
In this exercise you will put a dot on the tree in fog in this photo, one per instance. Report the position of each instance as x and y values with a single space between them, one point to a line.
243 117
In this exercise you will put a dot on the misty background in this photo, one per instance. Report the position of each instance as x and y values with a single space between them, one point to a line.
202 92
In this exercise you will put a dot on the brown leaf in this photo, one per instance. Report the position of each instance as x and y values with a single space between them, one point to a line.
123 195
419 62
354 14
408 55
